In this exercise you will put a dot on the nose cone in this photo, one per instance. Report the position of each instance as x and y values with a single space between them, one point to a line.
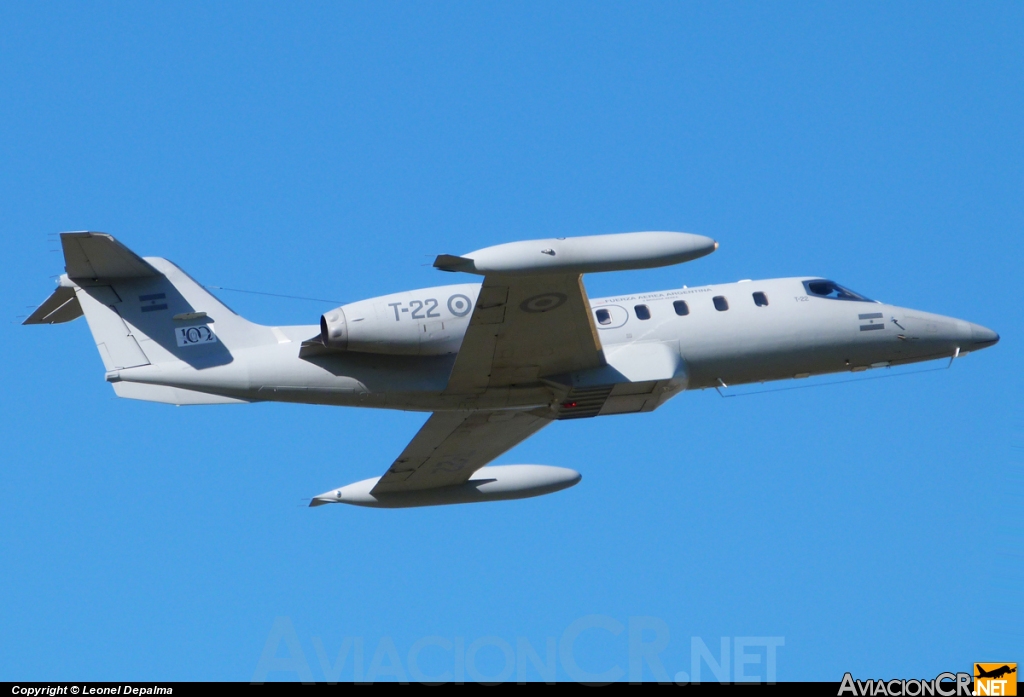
982 337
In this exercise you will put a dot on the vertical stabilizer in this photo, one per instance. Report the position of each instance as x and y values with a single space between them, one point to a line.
144 311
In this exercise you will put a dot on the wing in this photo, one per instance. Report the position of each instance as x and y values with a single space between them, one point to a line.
452 445
523 328
532 318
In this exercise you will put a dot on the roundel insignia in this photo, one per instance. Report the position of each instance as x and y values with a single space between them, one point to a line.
543 302
459 305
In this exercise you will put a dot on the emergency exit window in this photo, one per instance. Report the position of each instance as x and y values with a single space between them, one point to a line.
604 317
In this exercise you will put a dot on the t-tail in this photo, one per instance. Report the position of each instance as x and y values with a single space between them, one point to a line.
146 312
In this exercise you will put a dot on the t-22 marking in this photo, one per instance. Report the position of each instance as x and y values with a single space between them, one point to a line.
418 309
459 305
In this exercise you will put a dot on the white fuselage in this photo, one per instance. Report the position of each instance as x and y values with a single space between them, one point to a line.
401 348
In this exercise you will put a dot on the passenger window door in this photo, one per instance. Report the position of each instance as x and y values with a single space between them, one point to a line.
610 317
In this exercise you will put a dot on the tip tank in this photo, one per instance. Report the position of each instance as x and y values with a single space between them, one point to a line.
498 483
618 252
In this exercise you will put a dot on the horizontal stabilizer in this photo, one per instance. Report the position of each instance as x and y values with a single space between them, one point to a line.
98 256
62 306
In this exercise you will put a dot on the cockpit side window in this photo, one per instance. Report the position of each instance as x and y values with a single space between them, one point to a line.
822 288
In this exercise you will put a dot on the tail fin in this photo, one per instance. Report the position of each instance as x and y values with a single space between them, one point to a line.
144 311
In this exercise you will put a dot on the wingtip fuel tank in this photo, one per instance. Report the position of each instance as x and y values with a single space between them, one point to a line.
496 483
617 252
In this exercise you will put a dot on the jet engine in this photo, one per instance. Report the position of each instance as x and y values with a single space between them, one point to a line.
428 322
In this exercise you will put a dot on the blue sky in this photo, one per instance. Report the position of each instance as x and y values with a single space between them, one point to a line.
331 150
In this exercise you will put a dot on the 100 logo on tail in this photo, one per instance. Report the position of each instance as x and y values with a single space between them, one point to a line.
193 336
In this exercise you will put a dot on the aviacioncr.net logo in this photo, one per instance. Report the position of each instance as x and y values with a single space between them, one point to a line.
944 685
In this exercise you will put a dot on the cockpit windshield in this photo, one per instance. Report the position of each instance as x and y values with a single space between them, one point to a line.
830 289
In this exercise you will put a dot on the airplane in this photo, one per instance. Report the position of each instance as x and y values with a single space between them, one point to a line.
493 362
996 672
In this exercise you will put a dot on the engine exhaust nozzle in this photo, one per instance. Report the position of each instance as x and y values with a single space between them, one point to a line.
334 329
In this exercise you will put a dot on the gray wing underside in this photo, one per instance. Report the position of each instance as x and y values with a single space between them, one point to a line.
452 445
525 328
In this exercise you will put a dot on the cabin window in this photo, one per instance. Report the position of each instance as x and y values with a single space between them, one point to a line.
642 312
604 317
831 289
681 307
721 304
760 299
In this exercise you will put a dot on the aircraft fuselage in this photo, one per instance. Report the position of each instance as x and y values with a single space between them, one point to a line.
725 334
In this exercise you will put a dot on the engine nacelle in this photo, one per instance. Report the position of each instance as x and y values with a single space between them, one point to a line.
426 322
334 329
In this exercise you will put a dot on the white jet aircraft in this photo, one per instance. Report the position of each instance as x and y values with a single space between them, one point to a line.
493 362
